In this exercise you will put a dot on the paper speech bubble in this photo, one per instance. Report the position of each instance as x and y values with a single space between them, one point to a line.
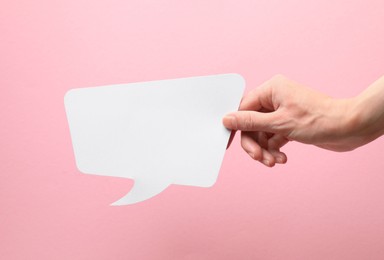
157 133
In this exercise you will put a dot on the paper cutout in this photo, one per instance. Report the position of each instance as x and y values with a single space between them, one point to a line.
157 133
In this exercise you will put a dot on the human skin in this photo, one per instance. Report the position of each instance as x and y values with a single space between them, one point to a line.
282 110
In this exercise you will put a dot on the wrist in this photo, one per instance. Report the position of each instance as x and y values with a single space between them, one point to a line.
345 119
345 123
361 127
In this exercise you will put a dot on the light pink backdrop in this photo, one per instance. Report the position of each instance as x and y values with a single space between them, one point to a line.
321 205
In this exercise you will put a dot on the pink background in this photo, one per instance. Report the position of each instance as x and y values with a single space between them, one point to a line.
321 205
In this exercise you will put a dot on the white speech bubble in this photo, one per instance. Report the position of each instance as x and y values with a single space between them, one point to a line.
157 133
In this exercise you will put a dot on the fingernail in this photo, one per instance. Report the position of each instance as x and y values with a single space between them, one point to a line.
279 159
230 122
266 162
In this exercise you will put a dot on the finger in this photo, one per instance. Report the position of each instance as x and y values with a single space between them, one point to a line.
262 139
269 158
274 145
258 98
252 121
280 157
253 148
277 141
269 142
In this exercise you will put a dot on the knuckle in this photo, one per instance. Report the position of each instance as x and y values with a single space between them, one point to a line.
272 143
248 123
279 78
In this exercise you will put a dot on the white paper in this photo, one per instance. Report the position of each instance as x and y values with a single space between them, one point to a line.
157 133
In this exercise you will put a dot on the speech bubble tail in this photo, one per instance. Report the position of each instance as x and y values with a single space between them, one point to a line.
141 190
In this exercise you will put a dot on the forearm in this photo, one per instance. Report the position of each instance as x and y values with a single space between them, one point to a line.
367 113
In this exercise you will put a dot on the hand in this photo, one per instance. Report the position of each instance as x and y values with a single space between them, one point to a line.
281 110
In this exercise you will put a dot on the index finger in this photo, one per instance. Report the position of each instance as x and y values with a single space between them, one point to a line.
259 98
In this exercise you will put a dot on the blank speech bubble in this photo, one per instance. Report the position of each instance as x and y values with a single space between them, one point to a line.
157 133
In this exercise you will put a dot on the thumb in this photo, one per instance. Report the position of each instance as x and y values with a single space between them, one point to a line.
251 121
